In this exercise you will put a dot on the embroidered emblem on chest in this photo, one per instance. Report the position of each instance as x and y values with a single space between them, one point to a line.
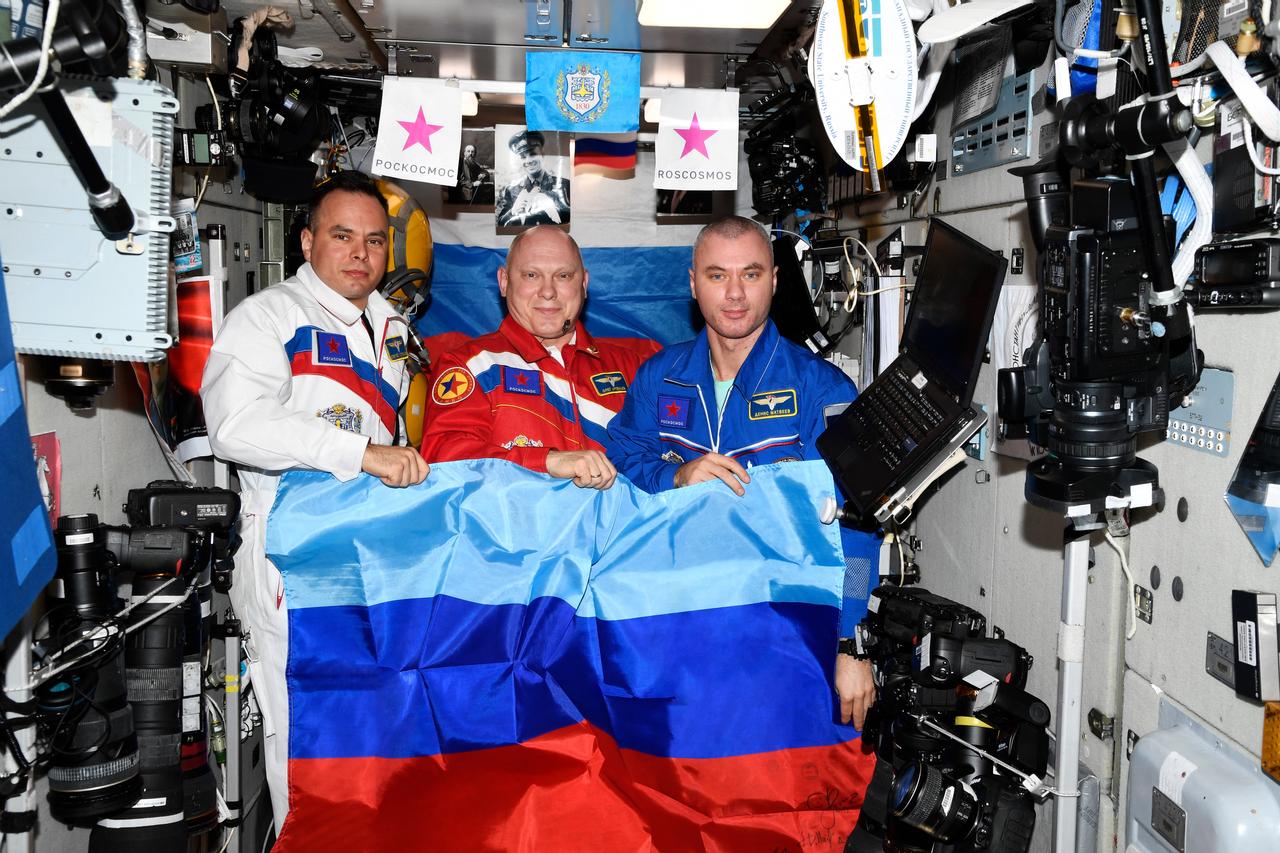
772 404
331 348
396 350
520 380
609 383
674 411
521 441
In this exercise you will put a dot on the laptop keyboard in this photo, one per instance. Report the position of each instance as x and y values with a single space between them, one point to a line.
896 415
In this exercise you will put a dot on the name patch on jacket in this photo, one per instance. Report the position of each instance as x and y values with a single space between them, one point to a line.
772 404
331 348
674 411
396 349
609 383
518 380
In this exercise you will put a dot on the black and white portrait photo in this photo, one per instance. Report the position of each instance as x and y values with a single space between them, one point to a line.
475 172
532 187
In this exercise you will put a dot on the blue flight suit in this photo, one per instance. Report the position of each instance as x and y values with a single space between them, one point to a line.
775 412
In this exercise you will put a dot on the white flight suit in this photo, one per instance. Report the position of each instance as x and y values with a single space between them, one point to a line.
294 381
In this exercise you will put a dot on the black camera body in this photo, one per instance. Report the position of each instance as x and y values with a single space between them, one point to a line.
936 669
924 645
785 174
1093 272
786 170
1093 374
169 503
1105 369
275 119
213 514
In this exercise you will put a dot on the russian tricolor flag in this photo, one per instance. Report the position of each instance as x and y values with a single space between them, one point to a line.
498 661
611 155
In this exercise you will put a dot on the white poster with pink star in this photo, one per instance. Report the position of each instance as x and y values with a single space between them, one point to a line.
697 147
419 131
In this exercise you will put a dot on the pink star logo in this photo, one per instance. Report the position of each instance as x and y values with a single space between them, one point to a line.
695 138
419 132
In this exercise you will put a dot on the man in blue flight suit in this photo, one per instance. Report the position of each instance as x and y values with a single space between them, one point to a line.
739 395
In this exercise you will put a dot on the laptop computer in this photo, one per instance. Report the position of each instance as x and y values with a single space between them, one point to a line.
918 411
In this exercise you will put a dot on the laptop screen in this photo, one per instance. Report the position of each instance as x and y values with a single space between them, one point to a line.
952 307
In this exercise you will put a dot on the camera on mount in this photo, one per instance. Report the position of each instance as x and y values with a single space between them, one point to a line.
120 716
785 174
1117 346
275 118
951 717
1109 363
786 171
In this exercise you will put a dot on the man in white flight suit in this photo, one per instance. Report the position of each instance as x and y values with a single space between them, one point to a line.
307 374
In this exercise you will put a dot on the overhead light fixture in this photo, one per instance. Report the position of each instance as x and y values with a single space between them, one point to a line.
653 110
712 14
469 101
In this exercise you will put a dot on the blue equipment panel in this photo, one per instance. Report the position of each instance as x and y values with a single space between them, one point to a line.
1203 422
1000 136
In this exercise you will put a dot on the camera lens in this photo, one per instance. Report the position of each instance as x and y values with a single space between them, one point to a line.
927 799
903 786
153 671
95 764
1090 429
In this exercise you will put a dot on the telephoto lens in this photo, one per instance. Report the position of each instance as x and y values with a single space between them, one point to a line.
170 504
925 798
87 719
155 823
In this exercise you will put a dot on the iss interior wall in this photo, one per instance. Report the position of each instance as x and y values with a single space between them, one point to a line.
111 450
986 547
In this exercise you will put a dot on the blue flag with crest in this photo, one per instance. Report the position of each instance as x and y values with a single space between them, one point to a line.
582 91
